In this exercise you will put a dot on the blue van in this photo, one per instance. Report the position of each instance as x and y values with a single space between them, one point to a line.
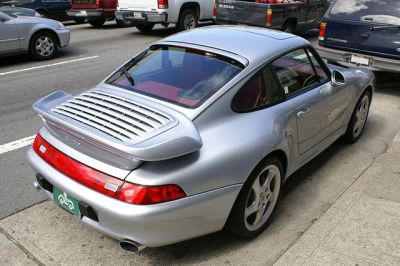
362 33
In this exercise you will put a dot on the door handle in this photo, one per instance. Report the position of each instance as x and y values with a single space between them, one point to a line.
365 35
303 113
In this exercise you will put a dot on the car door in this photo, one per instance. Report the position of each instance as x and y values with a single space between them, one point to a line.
9 38
319 106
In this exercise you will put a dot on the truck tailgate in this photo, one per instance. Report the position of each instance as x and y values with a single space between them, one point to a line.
139 5
241 12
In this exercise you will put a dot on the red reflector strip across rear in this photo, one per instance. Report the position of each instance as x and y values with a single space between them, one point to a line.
103 183
77 171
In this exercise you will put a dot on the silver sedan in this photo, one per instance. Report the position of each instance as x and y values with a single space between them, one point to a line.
39 36
196 133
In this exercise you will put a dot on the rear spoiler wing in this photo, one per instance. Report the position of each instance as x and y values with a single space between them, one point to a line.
176 138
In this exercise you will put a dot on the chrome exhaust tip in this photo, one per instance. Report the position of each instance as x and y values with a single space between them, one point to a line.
131 246
36 184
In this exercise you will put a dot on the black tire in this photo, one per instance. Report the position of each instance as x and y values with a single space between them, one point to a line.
123 23
79 20
145 27
43 45
289 27
188 19
44 13
96 23
237 224
361 111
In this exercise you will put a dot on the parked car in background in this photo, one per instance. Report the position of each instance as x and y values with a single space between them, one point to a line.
97 12
19 11
53 9
38 36
185 14
196 133
362 33
286 15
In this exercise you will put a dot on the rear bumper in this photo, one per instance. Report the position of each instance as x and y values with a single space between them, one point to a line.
141 17
64 36
91 13
152 225
343 58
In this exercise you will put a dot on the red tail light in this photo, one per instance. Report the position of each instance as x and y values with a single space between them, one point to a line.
322 30
268 21
103 183
162 4
215 9
145 195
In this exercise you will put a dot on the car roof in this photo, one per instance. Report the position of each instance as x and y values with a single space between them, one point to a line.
244 41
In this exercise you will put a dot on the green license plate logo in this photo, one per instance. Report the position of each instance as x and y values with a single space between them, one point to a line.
66 201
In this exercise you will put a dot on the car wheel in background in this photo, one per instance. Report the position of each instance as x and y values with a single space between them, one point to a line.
43 45
96 23
359 118
257 200
123 23
79 20
145 27
289 27
187 20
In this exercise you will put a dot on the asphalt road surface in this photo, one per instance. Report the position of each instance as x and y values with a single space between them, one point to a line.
92 55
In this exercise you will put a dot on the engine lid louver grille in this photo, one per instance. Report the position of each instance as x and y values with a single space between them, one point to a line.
122 119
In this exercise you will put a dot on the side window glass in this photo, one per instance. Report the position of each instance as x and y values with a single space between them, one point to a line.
295 71
320 71
261 90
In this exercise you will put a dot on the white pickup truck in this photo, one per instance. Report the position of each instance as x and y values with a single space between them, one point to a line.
146 13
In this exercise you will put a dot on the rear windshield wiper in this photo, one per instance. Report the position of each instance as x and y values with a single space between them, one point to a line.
128 76
385 27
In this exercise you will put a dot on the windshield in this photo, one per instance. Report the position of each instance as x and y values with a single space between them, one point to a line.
379 11
183 76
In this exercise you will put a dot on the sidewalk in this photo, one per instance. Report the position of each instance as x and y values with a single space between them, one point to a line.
363 226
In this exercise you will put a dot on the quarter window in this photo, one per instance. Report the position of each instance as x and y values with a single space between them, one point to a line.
259 91
295 71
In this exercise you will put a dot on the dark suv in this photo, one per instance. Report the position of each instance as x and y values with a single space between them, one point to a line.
362 33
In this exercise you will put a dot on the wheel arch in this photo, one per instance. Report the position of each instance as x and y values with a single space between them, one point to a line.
291 20
48 31
190 5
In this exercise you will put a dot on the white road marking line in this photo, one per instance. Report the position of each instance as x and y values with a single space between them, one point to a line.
15 145
49 65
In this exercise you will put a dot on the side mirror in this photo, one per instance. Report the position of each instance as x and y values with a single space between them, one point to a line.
338 79
4 17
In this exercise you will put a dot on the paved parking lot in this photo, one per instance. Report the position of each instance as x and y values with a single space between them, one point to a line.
50 236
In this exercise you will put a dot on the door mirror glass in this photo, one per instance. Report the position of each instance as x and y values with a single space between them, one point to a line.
338 79
4 17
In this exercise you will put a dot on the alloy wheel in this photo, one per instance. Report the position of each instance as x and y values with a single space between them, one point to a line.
44 46
189 22
361 116
262 198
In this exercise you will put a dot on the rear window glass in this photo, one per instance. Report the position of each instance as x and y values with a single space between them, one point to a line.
183 76
379 11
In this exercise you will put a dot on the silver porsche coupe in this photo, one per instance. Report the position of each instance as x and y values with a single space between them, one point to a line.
196 133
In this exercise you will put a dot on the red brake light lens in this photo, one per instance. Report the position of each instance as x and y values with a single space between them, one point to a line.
77 171
162 4
103 183
145 195
322 30
268 21
215 9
